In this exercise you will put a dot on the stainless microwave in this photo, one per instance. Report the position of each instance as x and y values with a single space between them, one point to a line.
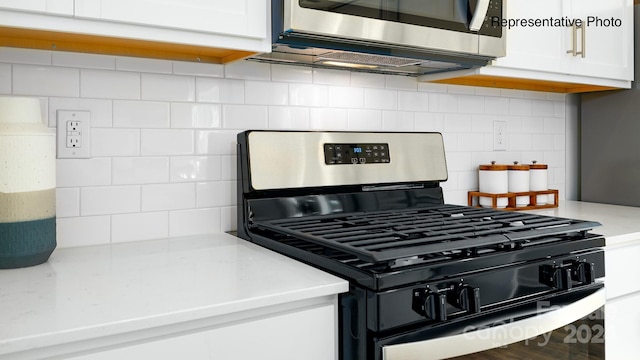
402 36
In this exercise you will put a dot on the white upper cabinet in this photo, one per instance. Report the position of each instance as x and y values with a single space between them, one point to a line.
601 47
540 48
604 42
545 52
217 31
239 17
61 7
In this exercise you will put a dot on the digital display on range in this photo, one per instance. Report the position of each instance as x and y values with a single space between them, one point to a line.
356 154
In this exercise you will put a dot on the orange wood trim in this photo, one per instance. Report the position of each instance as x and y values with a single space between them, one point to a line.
57 41
523 84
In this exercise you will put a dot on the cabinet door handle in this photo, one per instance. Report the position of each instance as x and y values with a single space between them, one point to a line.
583 40
574 41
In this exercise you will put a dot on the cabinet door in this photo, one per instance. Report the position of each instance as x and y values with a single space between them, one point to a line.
308 334
62 7
608 39
246 18
534 47
622 327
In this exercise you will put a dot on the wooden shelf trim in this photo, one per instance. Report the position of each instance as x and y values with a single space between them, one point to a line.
512 199
59 41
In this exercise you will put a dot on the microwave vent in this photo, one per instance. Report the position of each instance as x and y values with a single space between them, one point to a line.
367 59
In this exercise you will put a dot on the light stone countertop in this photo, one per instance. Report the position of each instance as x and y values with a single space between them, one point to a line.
620 224
86 293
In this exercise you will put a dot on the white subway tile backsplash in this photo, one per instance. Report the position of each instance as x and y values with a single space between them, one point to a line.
219 90
471 142
532 125
482 123
83 172
104 200
158 197
398 121
520 142
100 109
460 89
216 194
432 87
460 161
164 132
328 119
45 81
143 65
244 117
140 114
413 101
229 167
168 87
5 78
457 123
198 69
346 97
140 226
87 61
496 105
290 73
247 70
330 77
140 170
115 142
166 142
195 168
67 202
471 104
542 107
364 120
229 217
382 99
196 115
443 103
429 121
216 142
288 117
106 84
308 95
367 80
554 125
25 56
266 93
194 222
521 107
400 82
83 231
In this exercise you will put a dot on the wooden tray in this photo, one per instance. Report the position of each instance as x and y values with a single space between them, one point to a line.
512 199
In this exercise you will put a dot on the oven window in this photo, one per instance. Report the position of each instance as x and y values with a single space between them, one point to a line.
580 340
443 14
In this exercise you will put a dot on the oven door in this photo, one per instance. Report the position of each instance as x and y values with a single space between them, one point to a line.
556 329
449 25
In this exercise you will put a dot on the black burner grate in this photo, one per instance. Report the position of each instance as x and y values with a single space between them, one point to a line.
384 236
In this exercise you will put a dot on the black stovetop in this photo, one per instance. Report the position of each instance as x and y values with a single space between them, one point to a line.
409 235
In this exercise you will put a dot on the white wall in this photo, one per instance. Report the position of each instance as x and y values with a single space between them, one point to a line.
163 132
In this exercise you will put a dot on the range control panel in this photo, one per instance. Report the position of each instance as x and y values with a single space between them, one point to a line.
339 154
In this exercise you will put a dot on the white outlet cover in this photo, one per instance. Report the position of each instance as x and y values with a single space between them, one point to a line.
64 120
499 135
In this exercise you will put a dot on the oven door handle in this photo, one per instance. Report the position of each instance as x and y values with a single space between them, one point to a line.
493 337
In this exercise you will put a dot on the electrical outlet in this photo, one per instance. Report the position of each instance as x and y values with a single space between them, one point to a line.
73 134
499 135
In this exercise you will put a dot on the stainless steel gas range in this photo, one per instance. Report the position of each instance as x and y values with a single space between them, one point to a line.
427 280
